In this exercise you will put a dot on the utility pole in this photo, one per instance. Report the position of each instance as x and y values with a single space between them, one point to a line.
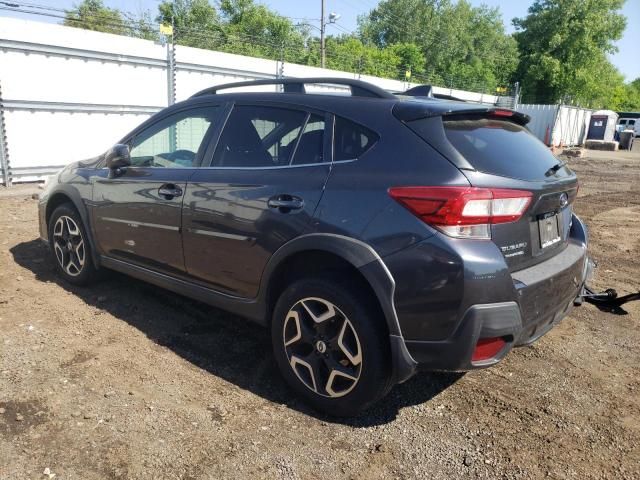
322 27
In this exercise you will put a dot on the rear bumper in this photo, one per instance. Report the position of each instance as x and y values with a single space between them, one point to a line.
542 296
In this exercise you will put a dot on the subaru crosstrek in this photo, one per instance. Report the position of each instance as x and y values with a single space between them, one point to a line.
373 234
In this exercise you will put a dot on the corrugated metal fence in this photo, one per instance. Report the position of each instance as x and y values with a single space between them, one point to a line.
69 94
558 125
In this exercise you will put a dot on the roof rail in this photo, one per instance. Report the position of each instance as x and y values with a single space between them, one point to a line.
296 85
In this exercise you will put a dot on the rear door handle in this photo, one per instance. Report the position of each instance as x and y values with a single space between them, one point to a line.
285 203
169 191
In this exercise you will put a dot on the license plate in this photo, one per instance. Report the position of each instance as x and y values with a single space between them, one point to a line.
549 231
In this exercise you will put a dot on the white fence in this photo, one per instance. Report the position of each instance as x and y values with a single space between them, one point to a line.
558 124
68 94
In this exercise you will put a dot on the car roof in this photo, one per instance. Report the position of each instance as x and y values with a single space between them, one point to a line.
414 104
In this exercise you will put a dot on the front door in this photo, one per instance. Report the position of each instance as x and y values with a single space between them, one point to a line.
137 214
265 181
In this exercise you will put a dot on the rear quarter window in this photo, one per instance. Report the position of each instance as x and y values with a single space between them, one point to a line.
351 140
500 147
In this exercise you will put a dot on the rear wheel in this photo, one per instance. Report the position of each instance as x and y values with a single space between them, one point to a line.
71 250
331 346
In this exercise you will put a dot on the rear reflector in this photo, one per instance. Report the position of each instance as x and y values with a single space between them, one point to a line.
487 348
463 212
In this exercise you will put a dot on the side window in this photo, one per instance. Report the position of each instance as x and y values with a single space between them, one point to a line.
351 140
311 143
173 142
632 122
257 136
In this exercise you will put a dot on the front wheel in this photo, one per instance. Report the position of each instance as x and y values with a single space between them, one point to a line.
331 345
70 247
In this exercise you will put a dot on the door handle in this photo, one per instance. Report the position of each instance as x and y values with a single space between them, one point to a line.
285 203
169 191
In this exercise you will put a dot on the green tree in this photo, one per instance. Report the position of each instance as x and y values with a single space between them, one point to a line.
195 22
563 46
93 15
629 97
462 46
255 30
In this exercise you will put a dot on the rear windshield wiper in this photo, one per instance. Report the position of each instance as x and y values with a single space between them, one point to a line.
554 169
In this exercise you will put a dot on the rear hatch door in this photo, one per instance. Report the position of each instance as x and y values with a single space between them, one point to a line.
494 149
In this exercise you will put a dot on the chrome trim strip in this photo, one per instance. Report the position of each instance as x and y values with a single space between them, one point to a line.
134 224
212 233
275 167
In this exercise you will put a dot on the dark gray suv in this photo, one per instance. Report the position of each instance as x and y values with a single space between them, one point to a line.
374 234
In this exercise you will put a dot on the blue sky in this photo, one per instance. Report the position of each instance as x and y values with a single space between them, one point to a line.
626 59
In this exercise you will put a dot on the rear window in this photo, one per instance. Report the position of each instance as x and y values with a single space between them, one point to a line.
500 147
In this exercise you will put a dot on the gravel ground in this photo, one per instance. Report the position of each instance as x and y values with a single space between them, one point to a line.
124 380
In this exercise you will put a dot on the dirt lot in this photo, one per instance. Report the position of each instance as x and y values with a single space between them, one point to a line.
123 380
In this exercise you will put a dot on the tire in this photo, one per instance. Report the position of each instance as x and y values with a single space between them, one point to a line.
70 246
339 361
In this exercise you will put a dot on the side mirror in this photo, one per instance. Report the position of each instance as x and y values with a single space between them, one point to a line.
118 157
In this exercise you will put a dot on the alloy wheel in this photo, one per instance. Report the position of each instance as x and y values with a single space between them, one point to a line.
322 347
68 245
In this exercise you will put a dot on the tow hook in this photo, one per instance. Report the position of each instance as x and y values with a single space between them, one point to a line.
607 301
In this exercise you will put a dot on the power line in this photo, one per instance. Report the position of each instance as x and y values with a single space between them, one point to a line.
298 49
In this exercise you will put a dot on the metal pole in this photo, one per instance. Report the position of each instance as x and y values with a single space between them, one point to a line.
322 25
4 151
171 68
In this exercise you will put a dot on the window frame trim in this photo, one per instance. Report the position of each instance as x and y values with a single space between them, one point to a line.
164 115
327 144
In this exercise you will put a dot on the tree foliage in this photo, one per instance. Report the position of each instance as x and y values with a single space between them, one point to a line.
563 46
93 15
558 53
461 45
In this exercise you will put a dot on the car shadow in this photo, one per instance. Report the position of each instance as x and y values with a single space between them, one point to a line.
215 340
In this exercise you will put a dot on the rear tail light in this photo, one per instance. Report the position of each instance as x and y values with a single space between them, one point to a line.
487 348
463 212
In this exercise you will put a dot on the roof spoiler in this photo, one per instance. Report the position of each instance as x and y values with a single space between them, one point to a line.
426 91
420 91
409 111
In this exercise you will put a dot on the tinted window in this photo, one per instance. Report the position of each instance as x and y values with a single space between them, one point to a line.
500 147
632 122
173 142
310 145
351 140
259 137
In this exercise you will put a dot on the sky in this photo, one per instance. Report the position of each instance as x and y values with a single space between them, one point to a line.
626 59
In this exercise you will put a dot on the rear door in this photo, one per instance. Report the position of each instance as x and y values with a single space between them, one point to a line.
265 179
137 213
505 154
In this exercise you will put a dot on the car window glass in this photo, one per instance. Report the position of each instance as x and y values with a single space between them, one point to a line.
351 140
311 143
257 136
174 142
632 122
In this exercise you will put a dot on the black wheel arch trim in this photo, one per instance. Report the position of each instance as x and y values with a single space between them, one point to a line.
364 258
76 200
